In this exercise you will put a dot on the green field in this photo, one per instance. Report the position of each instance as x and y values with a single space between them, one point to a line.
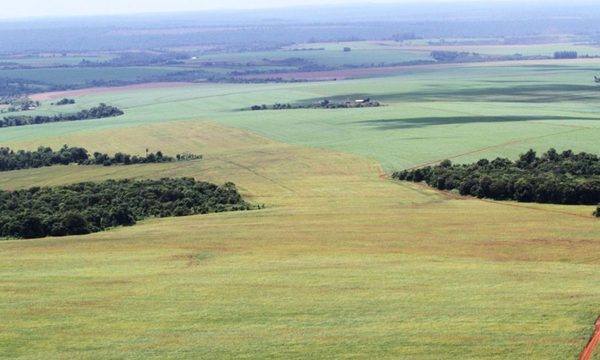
64 70
331 55
342 262
83 75
462 113
55 60
375 53
525 50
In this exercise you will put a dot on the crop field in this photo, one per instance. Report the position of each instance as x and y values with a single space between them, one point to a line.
525 50
461 113
331 55
79 76
366 59
342 262
55 60
376 53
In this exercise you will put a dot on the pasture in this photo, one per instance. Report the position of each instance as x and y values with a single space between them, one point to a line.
50 60
331 55
378 53
342 262
83 75
462 113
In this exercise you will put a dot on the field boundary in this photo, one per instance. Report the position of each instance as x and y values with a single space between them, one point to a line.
491 147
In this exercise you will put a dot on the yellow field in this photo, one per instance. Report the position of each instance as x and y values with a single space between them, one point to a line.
342 263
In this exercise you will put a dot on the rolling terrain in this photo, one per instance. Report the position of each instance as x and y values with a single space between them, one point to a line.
342 262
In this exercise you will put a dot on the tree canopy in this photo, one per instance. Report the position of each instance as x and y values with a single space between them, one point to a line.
91 207
45 156
559 178
98 112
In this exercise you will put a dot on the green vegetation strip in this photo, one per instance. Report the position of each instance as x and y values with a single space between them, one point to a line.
558 178
99 112
91 207
45 156
323 104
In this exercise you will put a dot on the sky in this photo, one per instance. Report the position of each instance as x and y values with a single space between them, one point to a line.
52 8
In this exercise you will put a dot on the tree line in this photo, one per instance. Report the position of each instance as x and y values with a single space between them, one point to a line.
65 101
565 55
98 112
91 207
323 104
558 178
45 156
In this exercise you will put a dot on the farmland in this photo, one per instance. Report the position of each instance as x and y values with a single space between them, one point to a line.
80 76
463 113
343 262
302 61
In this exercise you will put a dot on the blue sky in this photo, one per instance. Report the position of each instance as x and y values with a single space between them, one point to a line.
35 8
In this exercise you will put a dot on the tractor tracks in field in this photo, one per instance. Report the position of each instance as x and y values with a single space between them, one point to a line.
164 100
498 146
254 172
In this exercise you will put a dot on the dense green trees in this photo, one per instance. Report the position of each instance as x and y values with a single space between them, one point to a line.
65 101
45 156
90 207
99 112
565 55
559 178
323 104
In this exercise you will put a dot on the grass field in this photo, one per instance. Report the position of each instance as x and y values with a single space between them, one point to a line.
525 50
364 54
462 113
55 60
369 53
331 55
342 263
80 76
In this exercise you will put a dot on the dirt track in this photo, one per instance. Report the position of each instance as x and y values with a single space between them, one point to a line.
592 344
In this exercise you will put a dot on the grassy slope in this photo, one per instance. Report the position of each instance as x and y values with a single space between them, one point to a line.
342 263
462 113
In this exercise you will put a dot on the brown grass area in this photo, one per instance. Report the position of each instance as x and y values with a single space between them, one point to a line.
342 261
316 198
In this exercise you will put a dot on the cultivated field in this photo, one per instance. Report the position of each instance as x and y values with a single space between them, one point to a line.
462 113
342 262
313 61
80 76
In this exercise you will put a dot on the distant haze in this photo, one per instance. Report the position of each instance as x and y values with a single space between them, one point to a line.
62 8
